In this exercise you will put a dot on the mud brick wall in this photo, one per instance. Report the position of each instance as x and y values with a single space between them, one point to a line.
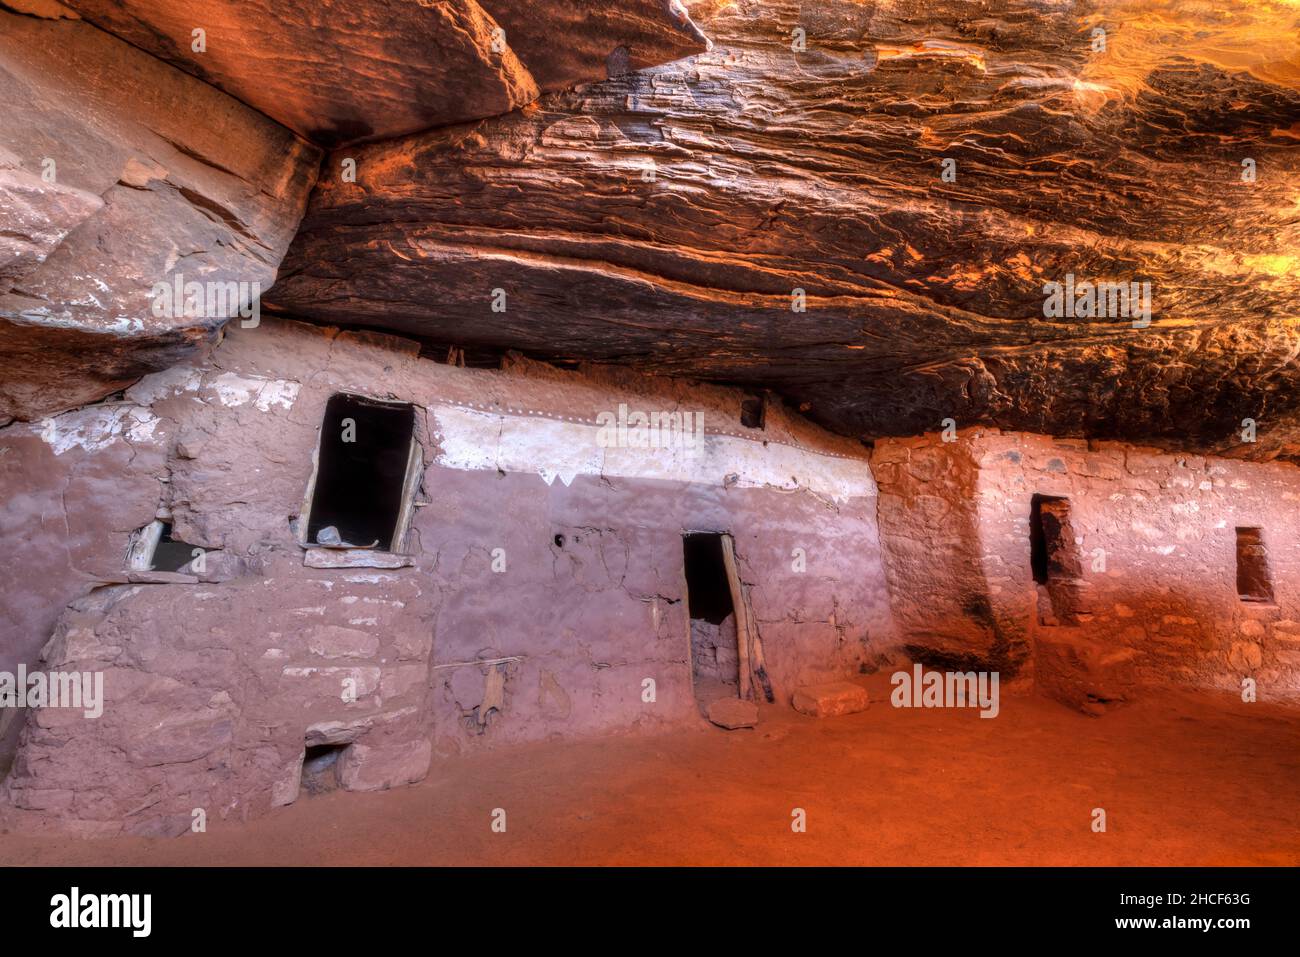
1154 537
214 687
935 563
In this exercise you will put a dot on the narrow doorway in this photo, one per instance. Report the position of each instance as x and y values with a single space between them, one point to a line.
1254 583
1054 561
715 649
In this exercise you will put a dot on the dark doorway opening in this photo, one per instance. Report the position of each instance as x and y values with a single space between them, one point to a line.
1045 534
1054 561
708 591
715 655
752 411
1254 583
365 451
170 554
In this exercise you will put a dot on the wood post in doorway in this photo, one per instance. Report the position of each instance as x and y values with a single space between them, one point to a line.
749 646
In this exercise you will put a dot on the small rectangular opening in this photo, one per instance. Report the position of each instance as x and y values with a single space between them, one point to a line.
171 554
320 767
153 549
752 410
1253 580
715 660
361 491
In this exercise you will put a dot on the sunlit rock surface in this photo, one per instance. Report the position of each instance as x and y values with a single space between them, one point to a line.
118 172
336 71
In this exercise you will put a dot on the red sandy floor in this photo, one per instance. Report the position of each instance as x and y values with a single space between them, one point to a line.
1184 780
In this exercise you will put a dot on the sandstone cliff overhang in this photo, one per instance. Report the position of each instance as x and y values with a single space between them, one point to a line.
334 71
172 145
118 172
863 206
860 206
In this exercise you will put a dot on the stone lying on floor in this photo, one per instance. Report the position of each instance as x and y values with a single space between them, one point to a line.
830 699
367 768
733 713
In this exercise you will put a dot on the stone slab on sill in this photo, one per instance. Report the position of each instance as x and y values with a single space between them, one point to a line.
354 558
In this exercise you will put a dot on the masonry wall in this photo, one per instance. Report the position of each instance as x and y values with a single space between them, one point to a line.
935 564
213 687
1153 534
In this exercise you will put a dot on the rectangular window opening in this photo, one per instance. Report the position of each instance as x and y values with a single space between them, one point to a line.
171 554
366 473
153 549
1253 580
753 410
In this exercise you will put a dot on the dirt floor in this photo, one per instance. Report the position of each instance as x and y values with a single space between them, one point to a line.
1183 779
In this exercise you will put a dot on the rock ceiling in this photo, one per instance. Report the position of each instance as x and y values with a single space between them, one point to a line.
858 205
665 218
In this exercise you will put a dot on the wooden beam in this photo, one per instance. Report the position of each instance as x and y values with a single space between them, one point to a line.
741 609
